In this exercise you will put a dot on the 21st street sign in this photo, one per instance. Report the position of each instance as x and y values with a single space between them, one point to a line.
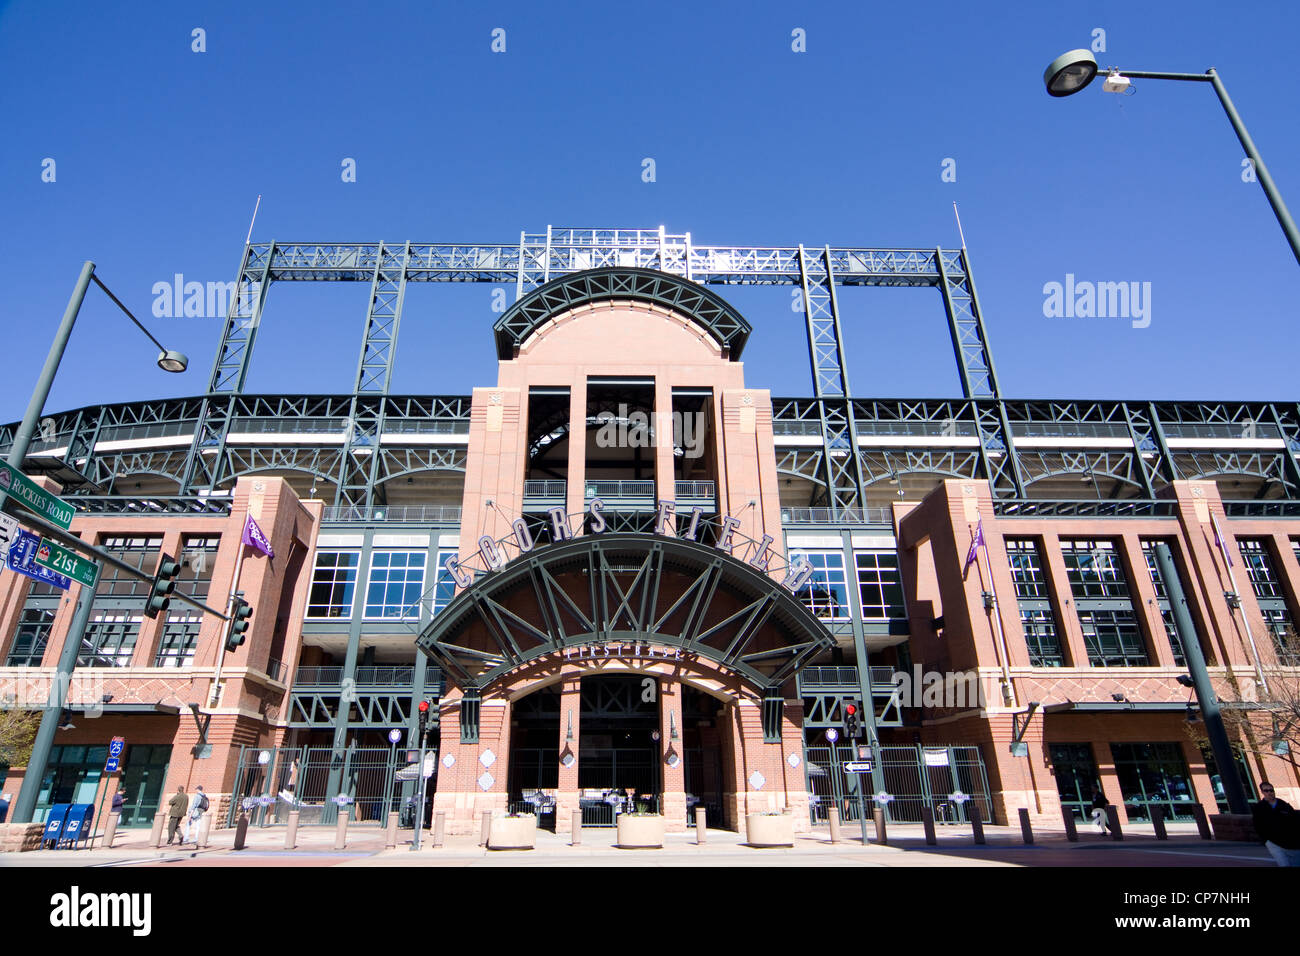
14 483
50 555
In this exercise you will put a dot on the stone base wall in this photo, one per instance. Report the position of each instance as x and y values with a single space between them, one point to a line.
20 837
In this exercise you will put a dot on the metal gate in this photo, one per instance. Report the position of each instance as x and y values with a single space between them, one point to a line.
613 780
702 776
272 781
915 777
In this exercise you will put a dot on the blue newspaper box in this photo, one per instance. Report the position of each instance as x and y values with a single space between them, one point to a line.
77 827
54 823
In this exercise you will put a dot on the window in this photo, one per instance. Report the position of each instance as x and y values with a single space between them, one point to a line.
333 583
1041 639
140 552
1113 639
827 593
396 583
29 642
880 585
1102 599
1270 598
1033 594
1094 570
444 588
1153 774
109 640
1076 775
1162 598
1027 569
198 557
180 638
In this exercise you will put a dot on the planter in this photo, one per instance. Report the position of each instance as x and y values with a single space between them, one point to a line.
767 830
640 830
513 833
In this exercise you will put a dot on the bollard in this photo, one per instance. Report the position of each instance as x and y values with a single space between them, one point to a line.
485 827
341 829
439 827
701 824
390 839
1071 831
1202 822
575 829
291 831
878 815
1112 821
241 830
834 816
927 821
159 826
1026 831
1158 821
976 824
112 830
204 828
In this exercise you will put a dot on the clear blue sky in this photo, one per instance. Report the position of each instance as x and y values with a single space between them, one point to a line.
160 153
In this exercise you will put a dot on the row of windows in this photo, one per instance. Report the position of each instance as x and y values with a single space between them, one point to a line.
395 588
1103 601
880 587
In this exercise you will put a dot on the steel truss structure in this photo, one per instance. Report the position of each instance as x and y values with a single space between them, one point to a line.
356 443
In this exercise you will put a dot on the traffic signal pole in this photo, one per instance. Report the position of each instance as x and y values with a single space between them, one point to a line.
214 693
420 781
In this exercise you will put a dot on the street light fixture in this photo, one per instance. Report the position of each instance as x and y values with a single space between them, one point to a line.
1071 72
25 806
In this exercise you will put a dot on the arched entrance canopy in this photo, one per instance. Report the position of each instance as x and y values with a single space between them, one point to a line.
611 588
706 309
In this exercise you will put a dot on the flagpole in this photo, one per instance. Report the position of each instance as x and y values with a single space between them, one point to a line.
1245 621
1008 693
230 608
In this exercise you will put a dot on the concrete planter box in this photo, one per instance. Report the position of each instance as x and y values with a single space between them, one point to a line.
513 833
762 829
640 830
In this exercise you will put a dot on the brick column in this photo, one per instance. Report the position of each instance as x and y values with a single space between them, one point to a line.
674 777
566 793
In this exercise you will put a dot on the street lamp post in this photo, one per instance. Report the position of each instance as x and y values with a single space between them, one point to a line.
25 806
1071 72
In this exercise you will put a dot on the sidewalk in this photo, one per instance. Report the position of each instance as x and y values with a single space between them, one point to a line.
366 846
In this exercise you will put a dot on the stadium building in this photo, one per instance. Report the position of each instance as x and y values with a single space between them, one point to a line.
622 572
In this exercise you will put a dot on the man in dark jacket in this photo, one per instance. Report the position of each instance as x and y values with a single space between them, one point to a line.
176 808
1278 825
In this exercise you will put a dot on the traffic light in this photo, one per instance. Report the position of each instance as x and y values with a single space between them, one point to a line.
852 722
424 718
164 583
239 615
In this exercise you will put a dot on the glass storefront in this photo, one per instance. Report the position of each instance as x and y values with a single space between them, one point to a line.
75 775
1076 775
1154 774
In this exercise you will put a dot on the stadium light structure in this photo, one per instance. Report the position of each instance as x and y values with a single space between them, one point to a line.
1073 71
25 807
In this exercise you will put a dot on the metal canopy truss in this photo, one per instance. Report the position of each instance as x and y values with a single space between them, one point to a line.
634 588
1117 449
372 710
722 322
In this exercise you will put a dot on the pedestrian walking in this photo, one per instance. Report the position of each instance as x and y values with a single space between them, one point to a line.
198 806
1278 825
176 809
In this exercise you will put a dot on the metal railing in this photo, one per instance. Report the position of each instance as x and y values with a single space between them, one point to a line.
545 488
694 489
1261 509
378 675
1085 508
413 514
872 516
135 505
846 676
620 489
275 669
